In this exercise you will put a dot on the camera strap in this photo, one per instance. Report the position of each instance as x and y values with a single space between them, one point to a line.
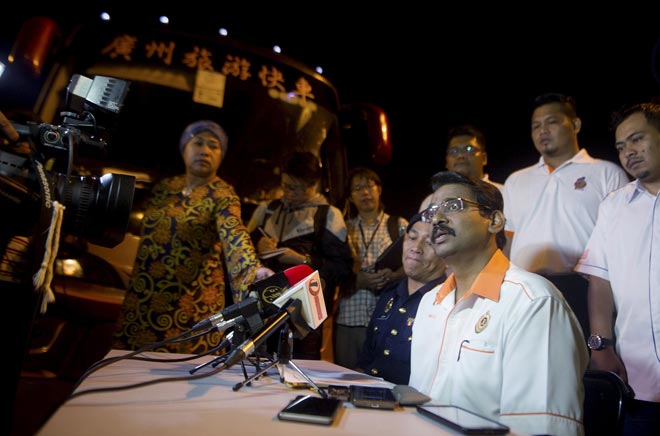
47 238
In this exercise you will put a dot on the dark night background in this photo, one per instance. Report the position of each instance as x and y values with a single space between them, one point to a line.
433 66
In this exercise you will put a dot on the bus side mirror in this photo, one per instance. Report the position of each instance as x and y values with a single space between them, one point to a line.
34 43
366 134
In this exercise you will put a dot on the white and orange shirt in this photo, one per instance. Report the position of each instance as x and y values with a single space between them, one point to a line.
511 349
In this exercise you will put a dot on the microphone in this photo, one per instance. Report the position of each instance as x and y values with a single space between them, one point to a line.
268 289
284 351
290 308
247 309
303 304
310 293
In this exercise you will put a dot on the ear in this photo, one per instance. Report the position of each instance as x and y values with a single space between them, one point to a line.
577 123
496 222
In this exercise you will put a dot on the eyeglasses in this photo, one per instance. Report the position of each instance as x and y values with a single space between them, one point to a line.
469 150
448 207
360 188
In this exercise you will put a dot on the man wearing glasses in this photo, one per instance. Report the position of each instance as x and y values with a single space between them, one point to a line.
310 231
466 154
493 338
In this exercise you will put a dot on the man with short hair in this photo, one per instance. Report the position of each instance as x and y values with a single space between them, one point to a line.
622 259
551 206
312 231
386 351
494 338
466 154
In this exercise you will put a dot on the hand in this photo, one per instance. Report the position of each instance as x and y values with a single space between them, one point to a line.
266 244
372 280
291 257
263 273
7 131
9 136
608 360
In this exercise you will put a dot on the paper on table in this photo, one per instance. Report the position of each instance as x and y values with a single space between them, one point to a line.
326 373
273 253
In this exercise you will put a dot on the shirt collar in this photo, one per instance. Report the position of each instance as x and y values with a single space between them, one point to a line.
580 157
635 189
487 283
361 220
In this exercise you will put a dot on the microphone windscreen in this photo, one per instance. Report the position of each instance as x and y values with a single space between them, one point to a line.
297 273
270 288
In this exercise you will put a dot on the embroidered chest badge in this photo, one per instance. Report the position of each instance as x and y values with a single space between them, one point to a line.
482 323
580 183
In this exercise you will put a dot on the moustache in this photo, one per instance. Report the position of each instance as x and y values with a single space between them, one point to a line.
439 229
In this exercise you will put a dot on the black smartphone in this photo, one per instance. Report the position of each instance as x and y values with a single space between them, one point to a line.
373 397
311 409
462 420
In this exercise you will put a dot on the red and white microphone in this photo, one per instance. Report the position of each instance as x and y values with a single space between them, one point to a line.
309 291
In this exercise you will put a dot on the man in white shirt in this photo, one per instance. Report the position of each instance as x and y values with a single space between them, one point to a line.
551 206
466 154
494 338
622 259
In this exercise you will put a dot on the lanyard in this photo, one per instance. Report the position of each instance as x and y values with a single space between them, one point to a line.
371 239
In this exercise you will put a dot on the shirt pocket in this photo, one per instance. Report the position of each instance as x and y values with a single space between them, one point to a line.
473 353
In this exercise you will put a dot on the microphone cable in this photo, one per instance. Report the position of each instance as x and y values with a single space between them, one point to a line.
181 337
147 383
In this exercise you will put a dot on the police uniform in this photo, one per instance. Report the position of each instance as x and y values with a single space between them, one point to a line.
386 351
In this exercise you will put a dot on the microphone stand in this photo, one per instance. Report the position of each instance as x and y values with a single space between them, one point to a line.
284 352
234 338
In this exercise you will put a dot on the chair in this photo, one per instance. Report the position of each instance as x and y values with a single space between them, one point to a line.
605 399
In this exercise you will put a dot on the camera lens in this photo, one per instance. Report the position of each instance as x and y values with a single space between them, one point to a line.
97 208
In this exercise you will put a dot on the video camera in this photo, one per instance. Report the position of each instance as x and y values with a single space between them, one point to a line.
96 208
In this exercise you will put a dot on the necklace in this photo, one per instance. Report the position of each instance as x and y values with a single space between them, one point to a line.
371 239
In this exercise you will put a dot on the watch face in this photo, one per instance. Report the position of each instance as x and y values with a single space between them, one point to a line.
594 342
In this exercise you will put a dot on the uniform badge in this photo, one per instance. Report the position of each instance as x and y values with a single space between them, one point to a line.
389 304
580 183
482 323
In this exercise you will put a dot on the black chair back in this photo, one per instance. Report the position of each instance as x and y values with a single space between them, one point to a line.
606 395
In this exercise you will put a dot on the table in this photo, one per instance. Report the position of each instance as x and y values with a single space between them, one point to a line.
209 406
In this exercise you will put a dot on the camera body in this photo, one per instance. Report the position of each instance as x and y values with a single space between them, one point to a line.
97 209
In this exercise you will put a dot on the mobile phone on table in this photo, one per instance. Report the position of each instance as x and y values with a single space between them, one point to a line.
311 409
462 420
373 397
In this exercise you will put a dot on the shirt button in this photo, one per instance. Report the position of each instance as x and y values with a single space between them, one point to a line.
375 328
409 338
386 352
394 332
402 310
374 371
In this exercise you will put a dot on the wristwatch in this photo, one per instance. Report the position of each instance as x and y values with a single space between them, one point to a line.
597 342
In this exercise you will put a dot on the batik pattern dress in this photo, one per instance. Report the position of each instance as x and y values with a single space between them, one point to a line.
193 245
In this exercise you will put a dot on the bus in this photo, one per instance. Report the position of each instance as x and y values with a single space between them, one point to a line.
268 103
